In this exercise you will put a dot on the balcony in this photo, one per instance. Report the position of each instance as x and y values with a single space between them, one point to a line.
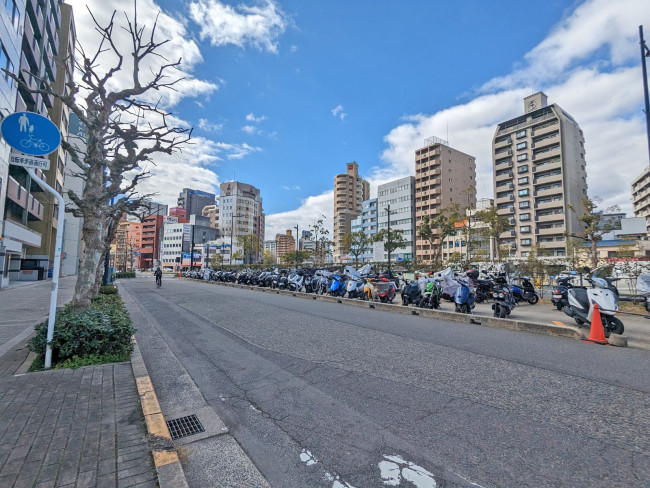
18 232
16 193
548 193
504 199
550 218
504 177
545 130
506 211
548 178
35 208
550 152
505 142
549 205
559 231
552 245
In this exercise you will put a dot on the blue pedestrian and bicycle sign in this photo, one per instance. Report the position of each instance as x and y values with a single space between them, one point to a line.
30 133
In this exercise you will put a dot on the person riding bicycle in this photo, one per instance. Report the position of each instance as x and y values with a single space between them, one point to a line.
158 275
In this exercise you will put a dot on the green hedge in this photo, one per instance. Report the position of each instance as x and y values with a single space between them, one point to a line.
125 274
103 330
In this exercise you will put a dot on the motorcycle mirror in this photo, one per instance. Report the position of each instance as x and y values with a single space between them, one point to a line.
574 272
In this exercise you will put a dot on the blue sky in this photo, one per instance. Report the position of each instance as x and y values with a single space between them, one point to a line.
283 93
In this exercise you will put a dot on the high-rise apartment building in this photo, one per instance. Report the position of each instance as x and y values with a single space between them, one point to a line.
641 196
193 201
367 223
241 213
350 190
539 170
444 176
284 243
399 196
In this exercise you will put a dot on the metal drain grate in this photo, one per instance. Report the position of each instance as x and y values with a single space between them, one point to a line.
184 426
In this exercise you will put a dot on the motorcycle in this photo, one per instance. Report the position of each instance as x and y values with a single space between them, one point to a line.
525 292
354 284
581 305
296 281
504 300
483 288
385 289
559 297
337 285
464 297
410 292
432 294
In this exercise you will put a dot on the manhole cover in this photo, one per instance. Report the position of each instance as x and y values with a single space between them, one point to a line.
184 426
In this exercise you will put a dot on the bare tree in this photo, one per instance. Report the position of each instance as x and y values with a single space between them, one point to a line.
593 225
124 132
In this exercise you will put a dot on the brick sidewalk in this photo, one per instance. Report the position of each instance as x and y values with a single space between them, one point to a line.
72 428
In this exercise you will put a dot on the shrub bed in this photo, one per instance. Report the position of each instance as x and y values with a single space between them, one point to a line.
125 274
99 334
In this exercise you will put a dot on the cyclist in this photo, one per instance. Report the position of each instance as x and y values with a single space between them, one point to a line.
158 275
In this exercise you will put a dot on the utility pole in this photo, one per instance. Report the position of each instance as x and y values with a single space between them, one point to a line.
645 52
297 244
388 240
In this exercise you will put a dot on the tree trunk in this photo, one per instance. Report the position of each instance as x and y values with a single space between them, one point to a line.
91 254
594 254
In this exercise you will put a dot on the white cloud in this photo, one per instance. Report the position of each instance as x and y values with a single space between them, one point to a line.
206 125
236 151
338 111
250 129
311 208
251 118
260 25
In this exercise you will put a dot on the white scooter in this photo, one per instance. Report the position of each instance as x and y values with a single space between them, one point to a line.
581 305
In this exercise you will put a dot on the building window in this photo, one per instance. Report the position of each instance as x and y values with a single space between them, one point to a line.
520 134
522 145
12 10
524 204
5 63
522 157
522 169
524 193
526 242
524 216
524 229
523 181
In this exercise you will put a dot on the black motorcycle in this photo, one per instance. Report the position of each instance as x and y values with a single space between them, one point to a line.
483 288
559 297
504 300
525 292
411 293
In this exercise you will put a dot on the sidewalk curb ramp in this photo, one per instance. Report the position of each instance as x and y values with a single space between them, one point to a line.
511 324
168 466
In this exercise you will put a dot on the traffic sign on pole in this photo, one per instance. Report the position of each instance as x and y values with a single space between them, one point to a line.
29 161
30 133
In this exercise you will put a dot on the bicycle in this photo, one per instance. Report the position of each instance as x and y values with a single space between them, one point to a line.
158 281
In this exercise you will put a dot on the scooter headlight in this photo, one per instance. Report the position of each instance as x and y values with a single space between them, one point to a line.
500 295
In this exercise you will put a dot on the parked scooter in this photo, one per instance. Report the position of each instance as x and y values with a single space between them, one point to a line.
410 292
464 298
559 297
504 300
581 305
296 281
525 291
385 289
432 294
369 290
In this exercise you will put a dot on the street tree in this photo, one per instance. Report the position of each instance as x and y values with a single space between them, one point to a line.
216 261
391 242
269 258
125 129
437 229
250 245
494 226
320 235
593 225
356 244
295 257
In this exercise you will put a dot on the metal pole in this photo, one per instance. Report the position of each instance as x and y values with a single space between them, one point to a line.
108 251
192 250
57 265
644 53
389 243
296 227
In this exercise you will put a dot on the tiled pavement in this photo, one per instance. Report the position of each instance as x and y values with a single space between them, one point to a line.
72 428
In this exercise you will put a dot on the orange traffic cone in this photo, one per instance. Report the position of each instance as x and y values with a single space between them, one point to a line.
597 333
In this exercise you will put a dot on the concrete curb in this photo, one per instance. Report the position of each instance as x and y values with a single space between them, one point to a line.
511 324
168 467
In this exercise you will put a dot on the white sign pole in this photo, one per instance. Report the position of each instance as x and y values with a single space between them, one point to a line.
57 264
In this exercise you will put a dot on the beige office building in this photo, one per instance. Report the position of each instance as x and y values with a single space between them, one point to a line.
350 190
443 176
539 169
641 196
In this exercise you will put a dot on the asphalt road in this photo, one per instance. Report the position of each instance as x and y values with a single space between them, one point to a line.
322 394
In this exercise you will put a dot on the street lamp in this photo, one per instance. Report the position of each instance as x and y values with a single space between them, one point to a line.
297 241
645 53
388 241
